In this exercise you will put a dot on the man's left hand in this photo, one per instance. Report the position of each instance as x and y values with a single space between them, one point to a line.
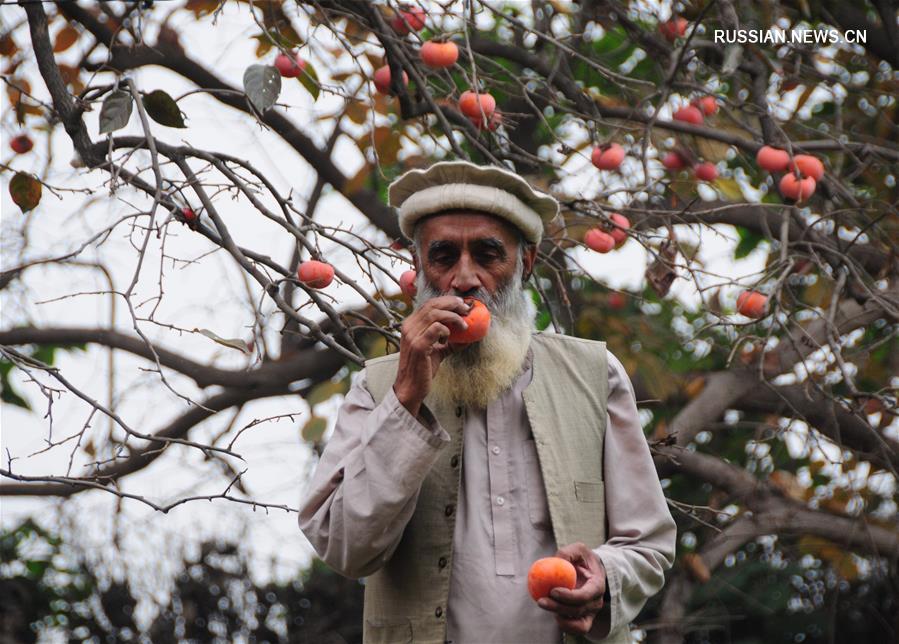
576 609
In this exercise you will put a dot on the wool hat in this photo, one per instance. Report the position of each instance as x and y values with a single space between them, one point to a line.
449 185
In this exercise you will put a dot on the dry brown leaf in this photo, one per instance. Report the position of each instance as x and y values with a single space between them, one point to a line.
65 38
696 567
695 387
661 273
787 484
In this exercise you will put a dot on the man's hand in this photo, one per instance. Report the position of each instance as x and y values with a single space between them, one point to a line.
424 345
576 609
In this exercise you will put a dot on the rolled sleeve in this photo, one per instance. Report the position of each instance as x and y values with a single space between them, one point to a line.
641 532
366 484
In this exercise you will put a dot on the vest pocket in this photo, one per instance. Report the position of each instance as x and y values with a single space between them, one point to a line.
589 491
538 509
394 632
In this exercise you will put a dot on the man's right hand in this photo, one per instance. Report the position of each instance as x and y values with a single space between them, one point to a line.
424 345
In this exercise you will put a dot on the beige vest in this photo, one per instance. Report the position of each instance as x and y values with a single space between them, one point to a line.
405 601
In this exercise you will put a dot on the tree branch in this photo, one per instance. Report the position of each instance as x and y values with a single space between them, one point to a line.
316 365
123 58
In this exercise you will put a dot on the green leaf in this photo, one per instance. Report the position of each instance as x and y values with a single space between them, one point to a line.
163 109
25 191
749 240
309 79
8 394
36 568
115 112
262 84
45 353
325 390
314 429
543 319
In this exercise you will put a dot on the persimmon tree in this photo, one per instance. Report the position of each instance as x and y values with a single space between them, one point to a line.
769 398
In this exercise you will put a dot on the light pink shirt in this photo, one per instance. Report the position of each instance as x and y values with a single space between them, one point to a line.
365 488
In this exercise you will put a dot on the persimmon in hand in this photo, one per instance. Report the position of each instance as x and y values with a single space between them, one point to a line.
548 573
478 320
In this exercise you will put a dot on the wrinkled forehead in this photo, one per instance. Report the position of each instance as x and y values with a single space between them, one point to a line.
461 226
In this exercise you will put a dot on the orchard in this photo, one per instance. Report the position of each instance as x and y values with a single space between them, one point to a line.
198 257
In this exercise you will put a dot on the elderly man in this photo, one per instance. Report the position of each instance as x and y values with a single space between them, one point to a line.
453 468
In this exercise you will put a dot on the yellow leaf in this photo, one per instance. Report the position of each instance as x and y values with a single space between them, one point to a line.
729 188
820 293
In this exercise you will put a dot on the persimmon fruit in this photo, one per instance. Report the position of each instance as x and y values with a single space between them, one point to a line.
674 28
619 232
706 171
476 106
608 157
315 274
674 161
707 105
478 320
412 19
290 66
808 166
439 55
407 284
487 124
599 240
797 189
548 573
382 79
689 114
617 301
21 144
752 304
772 159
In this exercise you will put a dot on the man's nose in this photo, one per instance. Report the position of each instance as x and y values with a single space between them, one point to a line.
466 277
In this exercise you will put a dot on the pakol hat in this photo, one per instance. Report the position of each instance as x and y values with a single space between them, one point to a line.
450 185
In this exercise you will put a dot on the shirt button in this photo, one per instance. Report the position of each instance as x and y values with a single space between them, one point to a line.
458 412
438 612
448 510
441 563
496 449
454 461
500 500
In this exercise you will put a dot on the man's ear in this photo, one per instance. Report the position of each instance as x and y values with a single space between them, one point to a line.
529 258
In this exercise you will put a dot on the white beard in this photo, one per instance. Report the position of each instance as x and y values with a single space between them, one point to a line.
479 373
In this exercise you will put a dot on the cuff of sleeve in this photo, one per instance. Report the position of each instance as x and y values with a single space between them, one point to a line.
609 618
433 434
